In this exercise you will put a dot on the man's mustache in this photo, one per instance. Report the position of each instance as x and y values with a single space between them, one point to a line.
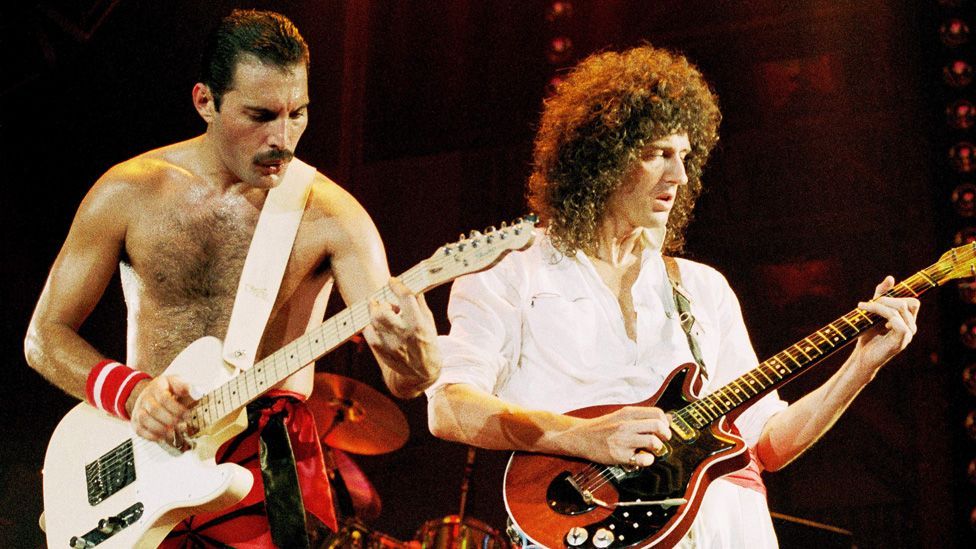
274 155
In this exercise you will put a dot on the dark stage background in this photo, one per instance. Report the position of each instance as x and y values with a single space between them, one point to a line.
824 181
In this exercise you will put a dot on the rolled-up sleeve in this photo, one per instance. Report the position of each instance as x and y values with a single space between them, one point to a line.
483 344
737 358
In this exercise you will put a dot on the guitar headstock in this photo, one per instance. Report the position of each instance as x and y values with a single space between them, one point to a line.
959 262
478 251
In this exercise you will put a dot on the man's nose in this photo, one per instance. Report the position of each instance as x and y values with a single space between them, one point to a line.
278 134
678 172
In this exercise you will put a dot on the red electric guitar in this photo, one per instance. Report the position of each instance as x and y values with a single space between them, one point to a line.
566 502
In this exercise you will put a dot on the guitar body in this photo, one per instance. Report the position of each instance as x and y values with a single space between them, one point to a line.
543 502
167 487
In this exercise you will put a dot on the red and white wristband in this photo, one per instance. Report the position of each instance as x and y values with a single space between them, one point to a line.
109 385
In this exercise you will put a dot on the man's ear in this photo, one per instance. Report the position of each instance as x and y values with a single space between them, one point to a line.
203 101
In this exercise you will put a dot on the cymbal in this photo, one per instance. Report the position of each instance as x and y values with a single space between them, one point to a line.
356 418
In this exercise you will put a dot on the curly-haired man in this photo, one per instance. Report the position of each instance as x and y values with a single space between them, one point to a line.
590 314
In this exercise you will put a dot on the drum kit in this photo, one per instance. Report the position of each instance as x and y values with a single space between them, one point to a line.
354 418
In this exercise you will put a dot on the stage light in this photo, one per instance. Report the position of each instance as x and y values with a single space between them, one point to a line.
966 235
964 199
559 10
967 291
958 73
967 333
961 115
969 377
954 32
971 471
970 424
962 156
560 50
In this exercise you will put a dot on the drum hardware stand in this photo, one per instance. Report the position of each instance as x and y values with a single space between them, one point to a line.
466 482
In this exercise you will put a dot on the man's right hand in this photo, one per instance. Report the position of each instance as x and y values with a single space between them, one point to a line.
627 436
160 409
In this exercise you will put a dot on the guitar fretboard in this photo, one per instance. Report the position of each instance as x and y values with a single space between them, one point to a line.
478 252
797 358
266 373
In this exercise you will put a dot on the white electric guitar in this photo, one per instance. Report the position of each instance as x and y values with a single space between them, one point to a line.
104 486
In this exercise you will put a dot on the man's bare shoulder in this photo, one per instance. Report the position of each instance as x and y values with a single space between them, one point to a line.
146 174
335 216
330 203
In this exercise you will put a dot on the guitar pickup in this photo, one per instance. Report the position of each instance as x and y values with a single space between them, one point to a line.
685 432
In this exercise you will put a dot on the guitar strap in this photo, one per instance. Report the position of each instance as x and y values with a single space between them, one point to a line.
682 302
264 268
265 264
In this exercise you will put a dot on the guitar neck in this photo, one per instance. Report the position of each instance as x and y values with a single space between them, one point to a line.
468 255
268 372
796 359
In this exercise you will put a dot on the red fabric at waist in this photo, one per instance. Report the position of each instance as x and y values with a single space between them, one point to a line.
250 530
749 476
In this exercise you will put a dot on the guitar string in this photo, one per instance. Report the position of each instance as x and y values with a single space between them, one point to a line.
356 312
116 463
915 285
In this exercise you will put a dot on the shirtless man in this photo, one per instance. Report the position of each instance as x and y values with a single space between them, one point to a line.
178 222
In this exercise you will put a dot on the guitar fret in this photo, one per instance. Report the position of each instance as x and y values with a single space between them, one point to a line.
707 401
929 279
838 334
845 319
735 391
760 370
791 357
728 401
782 365
693 410
909 288
826 340
813 347
720 406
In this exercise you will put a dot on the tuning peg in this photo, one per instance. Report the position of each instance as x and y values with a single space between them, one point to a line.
447 249
504 224
490 229
462 237
475 234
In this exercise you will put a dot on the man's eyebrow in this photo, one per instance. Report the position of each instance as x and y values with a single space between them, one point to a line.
667 147
264 110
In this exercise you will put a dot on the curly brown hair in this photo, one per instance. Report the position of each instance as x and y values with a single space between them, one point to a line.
596 123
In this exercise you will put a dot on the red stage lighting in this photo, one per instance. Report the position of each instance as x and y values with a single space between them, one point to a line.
961 115
958 73
954 32
962 156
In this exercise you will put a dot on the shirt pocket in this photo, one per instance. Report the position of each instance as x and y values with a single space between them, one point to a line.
566 327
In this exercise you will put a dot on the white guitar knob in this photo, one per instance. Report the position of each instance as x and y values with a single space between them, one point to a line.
602 538
576 536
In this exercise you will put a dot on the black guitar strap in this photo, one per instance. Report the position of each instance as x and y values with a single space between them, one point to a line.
682 302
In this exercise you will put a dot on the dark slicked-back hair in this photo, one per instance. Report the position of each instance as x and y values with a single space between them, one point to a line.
267 35
595 125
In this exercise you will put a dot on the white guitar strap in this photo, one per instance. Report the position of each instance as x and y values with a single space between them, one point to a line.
264 267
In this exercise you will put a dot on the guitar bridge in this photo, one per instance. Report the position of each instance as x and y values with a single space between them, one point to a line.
107 528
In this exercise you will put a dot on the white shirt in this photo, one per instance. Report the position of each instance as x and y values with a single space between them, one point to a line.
545 332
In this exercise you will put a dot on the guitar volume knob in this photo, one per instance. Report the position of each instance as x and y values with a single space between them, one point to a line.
576 536
602 538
